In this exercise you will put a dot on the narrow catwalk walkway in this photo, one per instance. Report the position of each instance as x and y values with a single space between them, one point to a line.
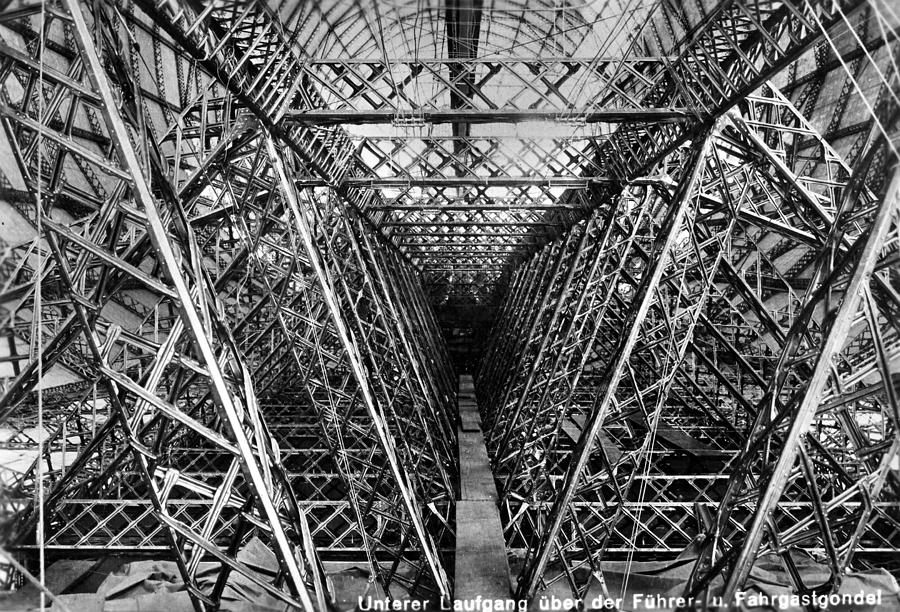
481 564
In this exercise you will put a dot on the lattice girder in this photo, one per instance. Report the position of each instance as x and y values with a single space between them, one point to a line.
165 382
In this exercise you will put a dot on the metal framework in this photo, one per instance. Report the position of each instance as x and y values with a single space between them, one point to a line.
247 246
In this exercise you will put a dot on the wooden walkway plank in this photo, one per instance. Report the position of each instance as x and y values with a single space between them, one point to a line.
481 564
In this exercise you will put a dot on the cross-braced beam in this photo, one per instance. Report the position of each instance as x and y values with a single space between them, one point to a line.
752 202
186 382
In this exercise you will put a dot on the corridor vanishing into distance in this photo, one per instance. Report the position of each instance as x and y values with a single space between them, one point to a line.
405 304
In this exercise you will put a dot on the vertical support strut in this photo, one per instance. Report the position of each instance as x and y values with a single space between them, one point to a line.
589 434
190 383
402 479
784 424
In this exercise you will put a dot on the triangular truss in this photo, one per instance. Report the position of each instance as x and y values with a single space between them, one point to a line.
241 234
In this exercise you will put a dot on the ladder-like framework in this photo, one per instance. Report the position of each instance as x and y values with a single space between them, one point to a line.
179 378
226 307
600 399
181 443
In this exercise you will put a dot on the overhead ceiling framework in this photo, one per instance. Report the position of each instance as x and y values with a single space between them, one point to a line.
246 250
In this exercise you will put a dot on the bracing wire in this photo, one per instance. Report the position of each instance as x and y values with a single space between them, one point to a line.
856 85
36 336
45 592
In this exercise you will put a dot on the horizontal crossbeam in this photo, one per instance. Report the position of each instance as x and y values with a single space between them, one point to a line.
412 118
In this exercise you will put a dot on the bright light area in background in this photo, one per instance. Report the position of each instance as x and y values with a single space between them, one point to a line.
540 129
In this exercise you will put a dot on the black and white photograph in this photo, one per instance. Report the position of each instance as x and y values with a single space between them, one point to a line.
449 305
